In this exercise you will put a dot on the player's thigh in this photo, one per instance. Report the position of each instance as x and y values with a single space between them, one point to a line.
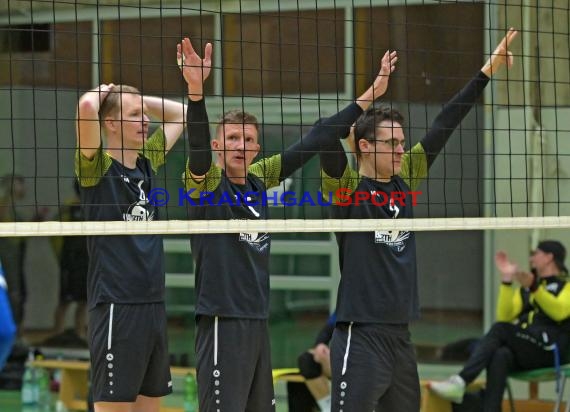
403 395
226 362
360 375
262 394
120 344
157 380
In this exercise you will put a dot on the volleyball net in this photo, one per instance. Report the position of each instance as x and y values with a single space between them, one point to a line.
292 63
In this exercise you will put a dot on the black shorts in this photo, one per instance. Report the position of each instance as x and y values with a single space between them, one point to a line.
234 365
374 368
129 352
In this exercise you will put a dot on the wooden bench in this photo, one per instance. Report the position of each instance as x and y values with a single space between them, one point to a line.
73 385
74 381
287 375
75 377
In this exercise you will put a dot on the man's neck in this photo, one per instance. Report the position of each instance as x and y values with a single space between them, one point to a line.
240 179
127 157
548 272
237 180
373 174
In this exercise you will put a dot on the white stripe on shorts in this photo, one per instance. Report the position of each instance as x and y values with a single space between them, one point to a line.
216 341
110 335
345 361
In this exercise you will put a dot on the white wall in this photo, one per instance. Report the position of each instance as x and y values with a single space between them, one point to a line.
515 177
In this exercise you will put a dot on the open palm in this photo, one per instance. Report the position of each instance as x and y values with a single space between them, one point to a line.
504 265
387 66
194 69
501 56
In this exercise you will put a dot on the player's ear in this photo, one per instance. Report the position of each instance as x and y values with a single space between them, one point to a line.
364 146
110 124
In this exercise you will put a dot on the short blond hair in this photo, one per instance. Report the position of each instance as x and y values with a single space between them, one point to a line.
111 106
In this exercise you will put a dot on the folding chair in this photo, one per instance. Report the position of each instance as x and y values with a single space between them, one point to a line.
534 376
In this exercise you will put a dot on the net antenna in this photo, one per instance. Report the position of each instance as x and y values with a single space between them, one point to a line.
536 136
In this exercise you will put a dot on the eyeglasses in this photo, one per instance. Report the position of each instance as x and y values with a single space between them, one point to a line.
393 143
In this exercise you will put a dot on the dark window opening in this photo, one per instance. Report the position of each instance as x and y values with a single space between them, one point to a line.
25 38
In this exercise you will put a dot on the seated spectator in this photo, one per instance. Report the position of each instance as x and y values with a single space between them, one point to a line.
315 366
532 328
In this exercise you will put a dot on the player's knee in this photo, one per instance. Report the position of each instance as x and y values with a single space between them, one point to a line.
503 356
308 367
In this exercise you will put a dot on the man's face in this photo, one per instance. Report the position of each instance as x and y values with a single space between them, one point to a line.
539 259
236 146
384 154
130 124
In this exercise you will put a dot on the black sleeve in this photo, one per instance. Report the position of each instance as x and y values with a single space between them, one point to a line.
200 151
333 159
451 115
325 334
324 135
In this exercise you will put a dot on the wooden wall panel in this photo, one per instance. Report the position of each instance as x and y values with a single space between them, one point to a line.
142 53
439 47
283 53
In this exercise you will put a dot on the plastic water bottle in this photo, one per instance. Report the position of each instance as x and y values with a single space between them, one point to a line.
190 394
44 394
30 383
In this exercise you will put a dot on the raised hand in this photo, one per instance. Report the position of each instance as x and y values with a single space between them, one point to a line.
387 66
380 85
104 90
501 55
507 268
98 95
194 69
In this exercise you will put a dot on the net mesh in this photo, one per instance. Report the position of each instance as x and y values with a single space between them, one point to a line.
292 63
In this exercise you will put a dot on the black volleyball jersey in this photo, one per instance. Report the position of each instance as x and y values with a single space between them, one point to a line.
129 268
232 270
378 281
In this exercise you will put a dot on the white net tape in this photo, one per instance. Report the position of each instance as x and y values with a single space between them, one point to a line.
182 227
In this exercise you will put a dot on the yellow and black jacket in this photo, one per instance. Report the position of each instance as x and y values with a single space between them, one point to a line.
542 309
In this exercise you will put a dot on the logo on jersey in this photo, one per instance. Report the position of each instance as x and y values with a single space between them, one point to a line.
394 239
139 211
259 241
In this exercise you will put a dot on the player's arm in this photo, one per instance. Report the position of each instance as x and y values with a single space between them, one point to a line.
325 334
457 108
275 169
88 128
509 303
195 71
172 116
91 163
332 156
323 137
557 307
